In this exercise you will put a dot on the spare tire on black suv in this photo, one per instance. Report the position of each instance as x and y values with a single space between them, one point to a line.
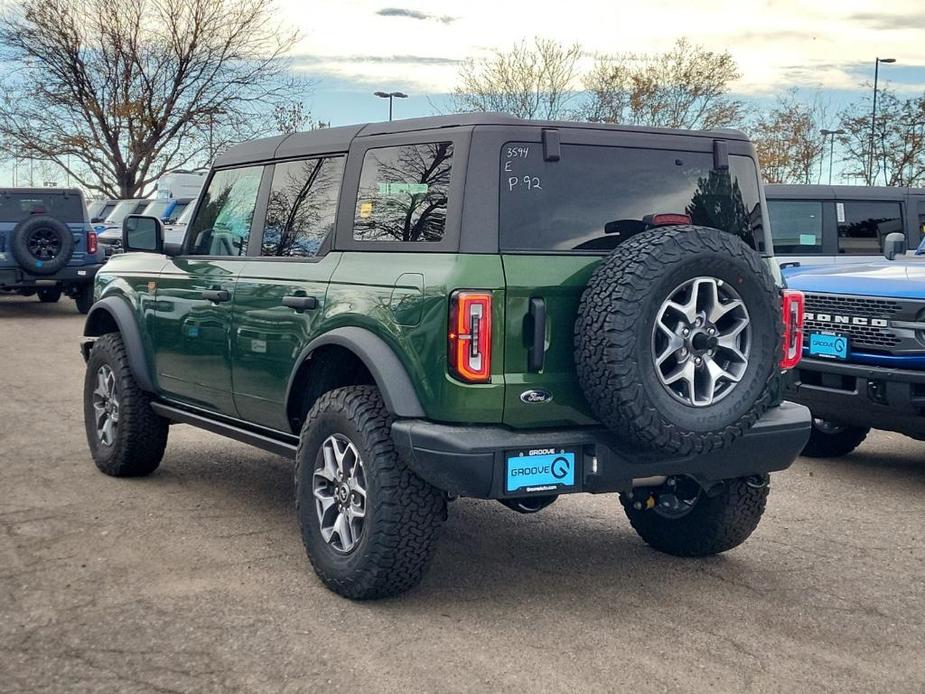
42 245
677 339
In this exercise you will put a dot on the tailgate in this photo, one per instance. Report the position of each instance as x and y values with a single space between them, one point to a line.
557 281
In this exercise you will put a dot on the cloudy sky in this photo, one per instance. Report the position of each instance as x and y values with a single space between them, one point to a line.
353 47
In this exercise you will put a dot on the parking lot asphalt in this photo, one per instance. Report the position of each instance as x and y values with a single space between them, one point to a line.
195 579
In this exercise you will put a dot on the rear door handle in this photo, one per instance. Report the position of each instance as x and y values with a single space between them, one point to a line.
300 303
536 350
216 295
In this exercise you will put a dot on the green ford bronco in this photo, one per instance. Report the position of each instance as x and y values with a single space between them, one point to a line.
457 306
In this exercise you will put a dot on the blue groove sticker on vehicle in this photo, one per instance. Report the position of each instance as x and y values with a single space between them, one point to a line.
540 471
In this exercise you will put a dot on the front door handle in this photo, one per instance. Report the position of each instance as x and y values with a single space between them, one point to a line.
300 303
216 295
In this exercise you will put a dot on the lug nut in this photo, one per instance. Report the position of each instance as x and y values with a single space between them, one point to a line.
711 331
637 505
686 332
698 361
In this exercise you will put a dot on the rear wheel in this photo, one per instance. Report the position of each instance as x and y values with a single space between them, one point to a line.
49 295
369 524
686 521
126 437
84 298
831 440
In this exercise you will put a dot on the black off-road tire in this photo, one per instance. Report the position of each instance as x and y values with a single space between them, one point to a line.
833 441
48 228
49 295
715 524
403 512
613 339
141 435
84 298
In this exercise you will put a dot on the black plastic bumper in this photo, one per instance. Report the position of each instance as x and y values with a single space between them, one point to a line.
15 278
470 460
864 396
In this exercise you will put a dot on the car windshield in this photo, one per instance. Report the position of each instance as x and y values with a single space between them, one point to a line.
595 197
187 213
122 210
157 208
94 207
178 211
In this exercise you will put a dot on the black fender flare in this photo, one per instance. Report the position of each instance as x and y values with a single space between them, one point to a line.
387 371
124 318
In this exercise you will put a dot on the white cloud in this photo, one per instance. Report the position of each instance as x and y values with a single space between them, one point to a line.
777 43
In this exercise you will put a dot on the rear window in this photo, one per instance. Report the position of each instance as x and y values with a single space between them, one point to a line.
15 207
595 197
796 226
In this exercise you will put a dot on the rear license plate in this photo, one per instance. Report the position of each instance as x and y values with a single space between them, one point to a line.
541 470
828 345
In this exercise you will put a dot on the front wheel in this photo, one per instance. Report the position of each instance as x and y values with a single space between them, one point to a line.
686 521
831 440
369 524
126 437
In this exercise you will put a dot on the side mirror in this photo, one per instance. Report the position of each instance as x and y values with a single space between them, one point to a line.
894 244
144 234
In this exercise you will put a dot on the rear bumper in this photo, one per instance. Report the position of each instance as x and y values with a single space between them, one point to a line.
863 396
15 278
470 461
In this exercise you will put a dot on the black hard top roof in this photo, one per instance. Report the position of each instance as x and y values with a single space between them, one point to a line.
811 192
338 139
40 191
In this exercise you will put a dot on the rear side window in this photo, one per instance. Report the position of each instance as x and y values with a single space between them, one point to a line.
302 206
403 193
862 226
796 226
595 197
223 221
15 206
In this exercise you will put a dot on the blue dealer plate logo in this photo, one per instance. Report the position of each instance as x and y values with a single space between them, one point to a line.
547 470
828 345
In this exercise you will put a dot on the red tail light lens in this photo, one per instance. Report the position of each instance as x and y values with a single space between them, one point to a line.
661 220
91 242
793 328
470 336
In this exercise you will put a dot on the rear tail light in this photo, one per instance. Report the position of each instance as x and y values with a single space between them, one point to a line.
470 336
91 242
793 328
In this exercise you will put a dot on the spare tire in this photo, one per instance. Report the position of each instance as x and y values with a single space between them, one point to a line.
42 245
678 338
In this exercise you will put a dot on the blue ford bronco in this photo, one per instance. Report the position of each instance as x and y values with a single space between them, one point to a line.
863 362
47 246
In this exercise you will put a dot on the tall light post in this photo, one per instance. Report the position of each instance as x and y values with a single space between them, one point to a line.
832 134
873 116
390 96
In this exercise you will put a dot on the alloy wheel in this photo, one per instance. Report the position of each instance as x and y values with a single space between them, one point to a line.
339 488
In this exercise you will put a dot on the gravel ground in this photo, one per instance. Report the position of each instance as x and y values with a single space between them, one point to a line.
194 579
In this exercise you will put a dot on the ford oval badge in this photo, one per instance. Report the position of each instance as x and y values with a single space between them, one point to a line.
533 397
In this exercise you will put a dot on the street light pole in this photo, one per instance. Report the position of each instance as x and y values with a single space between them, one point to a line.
390 96
832 134
873 117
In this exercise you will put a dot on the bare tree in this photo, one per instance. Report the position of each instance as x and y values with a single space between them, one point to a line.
899 140
789 140
529 81
684 87
117 93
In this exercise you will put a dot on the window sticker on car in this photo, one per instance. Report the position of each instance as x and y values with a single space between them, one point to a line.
366 210
402 188
840 212
807 239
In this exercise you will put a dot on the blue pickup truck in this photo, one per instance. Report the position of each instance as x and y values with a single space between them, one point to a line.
863 360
